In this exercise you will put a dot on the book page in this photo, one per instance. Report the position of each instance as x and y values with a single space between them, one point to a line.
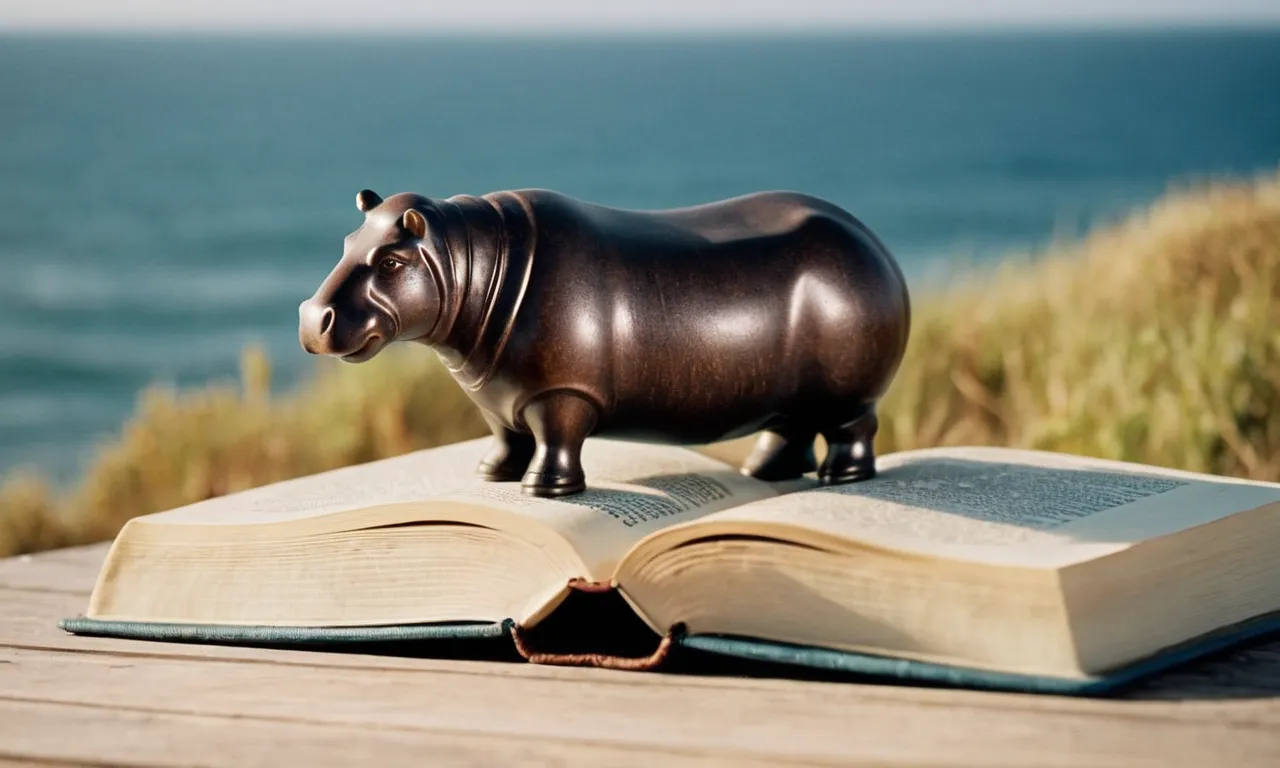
1008 505
633 489
412 477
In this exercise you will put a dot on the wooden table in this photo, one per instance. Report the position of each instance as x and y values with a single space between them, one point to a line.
66 699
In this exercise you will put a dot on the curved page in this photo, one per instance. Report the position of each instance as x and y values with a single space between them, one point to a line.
989 505
634 490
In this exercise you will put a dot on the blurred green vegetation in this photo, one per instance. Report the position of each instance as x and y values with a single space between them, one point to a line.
1154 340
183 447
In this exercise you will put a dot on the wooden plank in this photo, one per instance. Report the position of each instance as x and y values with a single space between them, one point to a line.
85 554
62 570
39 731
996 728
1252 672
30 621
31 618
800 721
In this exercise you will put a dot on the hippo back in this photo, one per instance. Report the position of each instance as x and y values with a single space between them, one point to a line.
702 323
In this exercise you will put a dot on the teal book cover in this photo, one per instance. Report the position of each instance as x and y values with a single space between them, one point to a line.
680 652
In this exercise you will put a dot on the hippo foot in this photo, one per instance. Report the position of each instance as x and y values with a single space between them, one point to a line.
550 486
503 467
782 455
499 473
559 421
509 456
850 451
839 472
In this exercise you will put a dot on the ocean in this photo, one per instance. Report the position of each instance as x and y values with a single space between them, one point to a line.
166 201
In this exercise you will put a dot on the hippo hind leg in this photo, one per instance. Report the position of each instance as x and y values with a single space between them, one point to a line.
850 450
783 453
509 456
560 422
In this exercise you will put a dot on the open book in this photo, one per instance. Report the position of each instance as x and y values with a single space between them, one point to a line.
980 566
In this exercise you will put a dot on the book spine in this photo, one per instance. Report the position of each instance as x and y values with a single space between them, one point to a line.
601 660
594 627
591 587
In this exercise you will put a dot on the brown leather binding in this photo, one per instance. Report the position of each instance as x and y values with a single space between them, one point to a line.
603 660
594 627
590 587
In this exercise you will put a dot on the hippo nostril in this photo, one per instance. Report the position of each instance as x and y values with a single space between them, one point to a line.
326 321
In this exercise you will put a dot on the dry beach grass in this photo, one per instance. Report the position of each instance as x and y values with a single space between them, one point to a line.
1154 340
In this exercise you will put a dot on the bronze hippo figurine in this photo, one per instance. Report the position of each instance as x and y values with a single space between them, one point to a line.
561 319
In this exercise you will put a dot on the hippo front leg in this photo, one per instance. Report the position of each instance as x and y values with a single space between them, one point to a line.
509 456
560 422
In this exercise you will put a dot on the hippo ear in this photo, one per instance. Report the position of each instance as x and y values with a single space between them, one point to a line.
367 200
415 223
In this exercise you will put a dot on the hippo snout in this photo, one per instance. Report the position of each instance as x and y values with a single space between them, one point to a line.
354 337
315 327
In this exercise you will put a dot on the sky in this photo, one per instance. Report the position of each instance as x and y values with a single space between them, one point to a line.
551 15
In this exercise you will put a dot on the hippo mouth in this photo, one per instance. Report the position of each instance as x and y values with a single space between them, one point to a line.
367 350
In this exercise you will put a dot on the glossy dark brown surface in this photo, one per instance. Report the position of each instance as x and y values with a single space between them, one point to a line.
562 319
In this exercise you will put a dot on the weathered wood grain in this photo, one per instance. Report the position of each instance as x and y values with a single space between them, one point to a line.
185 700
32 626
1247 673
811 721
40 731
1251 674
65 570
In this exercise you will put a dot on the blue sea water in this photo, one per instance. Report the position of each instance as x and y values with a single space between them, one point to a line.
164 201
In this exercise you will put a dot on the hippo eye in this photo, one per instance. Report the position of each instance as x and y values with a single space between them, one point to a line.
388 265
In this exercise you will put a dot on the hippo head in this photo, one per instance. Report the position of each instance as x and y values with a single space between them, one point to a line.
384 288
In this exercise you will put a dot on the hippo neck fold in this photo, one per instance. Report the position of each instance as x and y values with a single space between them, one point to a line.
490 242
